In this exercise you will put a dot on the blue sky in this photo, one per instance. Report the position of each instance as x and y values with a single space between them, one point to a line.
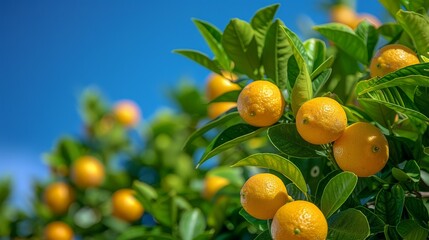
51 50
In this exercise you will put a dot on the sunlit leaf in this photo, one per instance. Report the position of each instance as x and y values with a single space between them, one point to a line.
369 34
230 137
417 26
336 192
320 81
192 223
201 59
348 224
287 140
213 37
240 44
277 163
346 39
276 54
392 6
261 21
316 52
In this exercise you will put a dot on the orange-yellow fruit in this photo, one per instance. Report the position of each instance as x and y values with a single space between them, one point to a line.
321 120
127 113
299 220
125 206
218 85
343 14
390 58
215 109
212 184
262 195
261 103
87 172
362 149
57 231
58 197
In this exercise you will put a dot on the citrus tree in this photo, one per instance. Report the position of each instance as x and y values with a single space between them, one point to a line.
345 115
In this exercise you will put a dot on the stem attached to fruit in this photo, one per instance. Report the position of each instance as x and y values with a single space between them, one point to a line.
330 156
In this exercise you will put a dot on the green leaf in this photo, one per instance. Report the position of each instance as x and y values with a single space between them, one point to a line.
261 21
369 34
417 209
320 81
392 6
240 44
389 204
5 190
295 193
286 139
419 5
417 26
321 185
146 194
230 137
337 191
348 224
261 225
213 37
276 54
266 235
409 229
277 163
316 52
230 96
133 232
421 100
192 223
390 31
412 171
345 39
201 59
376 225
222 121
302 89
325 65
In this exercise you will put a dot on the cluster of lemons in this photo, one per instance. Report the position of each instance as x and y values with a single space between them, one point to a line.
360 148
89 172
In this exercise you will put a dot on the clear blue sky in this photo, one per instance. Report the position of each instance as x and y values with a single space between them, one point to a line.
51 50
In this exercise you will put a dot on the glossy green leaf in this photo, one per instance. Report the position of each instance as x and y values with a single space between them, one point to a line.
133 232
213 38
376 225
201 59
145 193
192 223
345 39
322 184
295 193
320 81
302 89
261 21
316 52
417 209
417 26
421 100
348 224
390 233
277 163
261 225
409 229
230 96
221 121
336 192
392 6
389 204
325 65
228 138
419 5
390 31
369 34
266 235
286 139
276 54
239 42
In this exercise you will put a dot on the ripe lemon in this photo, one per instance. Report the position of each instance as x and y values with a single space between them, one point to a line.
127 113
217 84
215 109
343 14
212 184
261 103
299 220
58 196
87 172
262 195
391 58
125 206
58 231
321 120
362 149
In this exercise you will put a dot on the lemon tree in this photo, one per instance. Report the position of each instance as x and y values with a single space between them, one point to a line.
388 202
